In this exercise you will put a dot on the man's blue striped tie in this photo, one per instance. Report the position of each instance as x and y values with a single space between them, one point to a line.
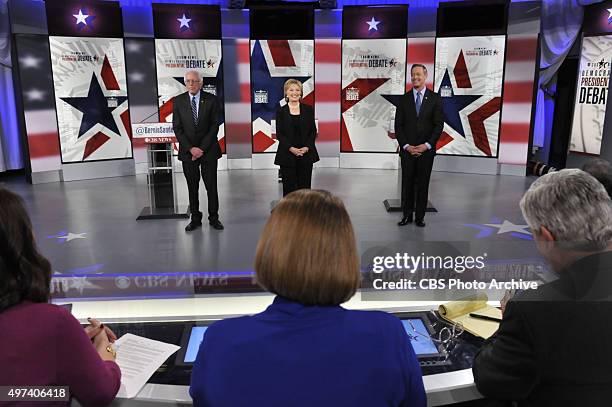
194 110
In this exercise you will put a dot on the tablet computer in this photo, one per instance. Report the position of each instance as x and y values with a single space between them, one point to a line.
193 335
420 332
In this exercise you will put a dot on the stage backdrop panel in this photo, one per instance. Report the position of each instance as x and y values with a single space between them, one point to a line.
174 58
373 82
89 80
272 63
591 95
469 75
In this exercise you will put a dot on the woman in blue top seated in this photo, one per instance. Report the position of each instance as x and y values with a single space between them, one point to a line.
305 349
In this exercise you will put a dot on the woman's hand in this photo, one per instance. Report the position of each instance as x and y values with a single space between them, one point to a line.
101 342
296 151
95 327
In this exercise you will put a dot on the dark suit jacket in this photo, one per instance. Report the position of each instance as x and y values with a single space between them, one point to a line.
204 135
427 127
553 344
286 139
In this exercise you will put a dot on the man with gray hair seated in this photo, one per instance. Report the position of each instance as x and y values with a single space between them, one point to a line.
552 346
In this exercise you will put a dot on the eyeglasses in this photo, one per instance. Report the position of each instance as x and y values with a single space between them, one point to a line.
192 81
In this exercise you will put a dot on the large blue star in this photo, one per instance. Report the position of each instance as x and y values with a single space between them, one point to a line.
95 108
262 80
452 106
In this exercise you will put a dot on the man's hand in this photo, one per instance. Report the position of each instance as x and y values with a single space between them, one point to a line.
421 148
303 150
196 153
412 150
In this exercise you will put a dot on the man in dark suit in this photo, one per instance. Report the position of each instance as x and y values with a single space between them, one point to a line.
552 346
195 120
418 126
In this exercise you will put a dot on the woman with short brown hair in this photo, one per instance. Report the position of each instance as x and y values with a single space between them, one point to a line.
305 349
296 132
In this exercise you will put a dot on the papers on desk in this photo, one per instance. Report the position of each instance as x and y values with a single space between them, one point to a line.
459 312
138 359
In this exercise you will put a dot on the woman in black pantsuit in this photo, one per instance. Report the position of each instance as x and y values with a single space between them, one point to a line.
295 132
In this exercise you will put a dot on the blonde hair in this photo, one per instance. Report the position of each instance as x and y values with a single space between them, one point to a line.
307 250
290 82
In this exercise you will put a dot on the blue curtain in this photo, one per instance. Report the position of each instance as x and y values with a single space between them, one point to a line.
11 156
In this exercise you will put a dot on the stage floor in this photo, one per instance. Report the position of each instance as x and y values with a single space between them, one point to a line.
89 232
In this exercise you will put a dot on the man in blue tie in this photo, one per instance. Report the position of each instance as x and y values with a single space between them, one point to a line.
418 125
195 120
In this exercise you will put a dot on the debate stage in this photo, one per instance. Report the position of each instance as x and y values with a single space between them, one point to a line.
89 232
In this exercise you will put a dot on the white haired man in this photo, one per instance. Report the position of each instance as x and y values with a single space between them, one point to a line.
195 120
551 348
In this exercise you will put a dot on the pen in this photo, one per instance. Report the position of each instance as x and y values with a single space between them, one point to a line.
485 317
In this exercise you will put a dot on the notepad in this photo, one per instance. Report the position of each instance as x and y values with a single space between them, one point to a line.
459 312
138 358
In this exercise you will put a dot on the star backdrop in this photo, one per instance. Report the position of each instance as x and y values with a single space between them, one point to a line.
91 98
373 80
469 76
272 63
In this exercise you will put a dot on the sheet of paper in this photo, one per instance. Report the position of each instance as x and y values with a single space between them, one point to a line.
138 359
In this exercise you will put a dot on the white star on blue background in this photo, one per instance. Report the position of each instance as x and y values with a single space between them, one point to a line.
373 24
184 21
81 18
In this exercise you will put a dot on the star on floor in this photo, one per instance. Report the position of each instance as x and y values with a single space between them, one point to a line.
373 24
70 236
507 227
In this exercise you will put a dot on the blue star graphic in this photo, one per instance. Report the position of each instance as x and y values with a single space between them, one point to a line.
95 108
262 80
452 106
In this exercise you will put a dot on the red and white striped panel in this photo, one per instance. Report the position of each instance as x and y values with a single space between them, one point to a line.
421 51
238 112
521 64
328 57
43 140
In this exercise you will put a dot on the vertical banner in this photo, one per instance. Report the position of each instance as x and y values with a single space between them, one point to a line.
188 37
89 80
373 77
591 95
469 77
91 98
272 63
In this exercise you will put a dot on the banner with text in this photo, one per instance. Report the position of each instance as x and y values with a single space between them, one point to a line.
272 63
90 86
174 58
469 74
373 82
591 95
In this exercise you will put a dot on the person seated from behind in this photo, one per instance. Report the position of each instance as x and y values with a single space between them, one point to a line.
552 346
305 349
602 171
42 343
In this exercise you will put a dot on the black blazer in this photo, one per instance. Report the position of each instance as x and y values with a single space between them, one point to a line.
552 347
204 135
427 127
286 139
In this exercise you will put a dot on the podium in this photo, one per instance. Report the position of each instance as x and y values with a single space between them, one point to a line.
163 203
